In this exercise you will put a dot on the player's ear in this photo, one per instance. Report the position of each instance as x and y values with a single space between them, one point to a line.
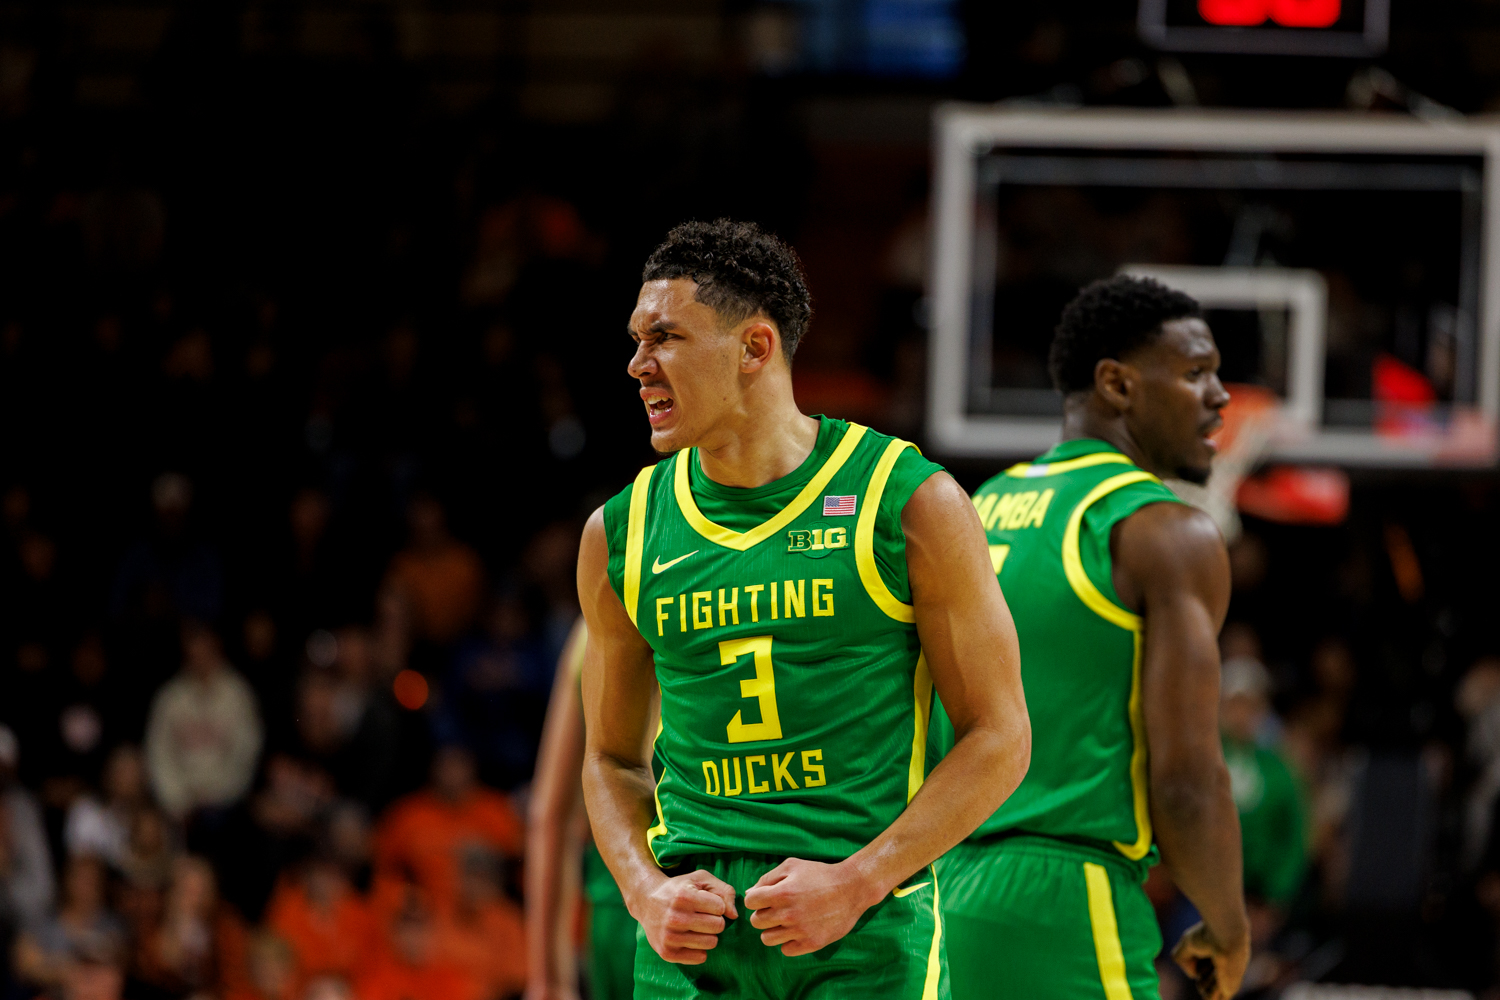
758 341
1113 382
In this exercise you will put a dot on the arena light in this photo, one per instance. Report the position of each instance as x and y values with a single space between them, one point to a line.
1267 27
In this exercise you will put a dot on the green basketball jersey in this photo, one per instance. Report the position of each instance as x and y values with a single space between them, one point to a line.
794 697
1049 526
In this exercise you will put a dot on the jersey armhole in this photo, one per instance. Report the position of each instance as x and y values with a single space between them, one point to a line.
624 537
1086 540
880 545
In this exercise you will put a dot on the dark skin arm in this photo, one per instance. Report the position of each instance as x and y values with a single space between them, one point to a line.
801 906
1171 566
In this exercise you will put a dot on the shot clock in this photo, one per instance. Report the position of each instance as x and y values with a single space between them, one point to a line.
1348 28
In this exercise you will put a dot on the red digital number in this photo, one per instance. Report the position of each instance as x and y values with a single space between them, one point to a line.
1287 13
1234 13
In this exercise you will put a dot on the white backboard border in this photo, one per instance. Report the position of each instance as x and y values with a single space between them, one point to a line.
963 132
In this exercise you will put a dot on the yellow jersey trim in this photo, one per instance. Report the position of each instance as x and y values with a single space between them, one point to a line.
935 953
740 541
1106 933
1026 470
635 539
661 820
1129 620
1073 561
864 538
1138 776
922 703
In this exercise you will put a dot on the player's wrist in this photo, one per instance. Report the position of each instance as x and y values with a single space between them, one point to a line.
1229 931
640 889
865 882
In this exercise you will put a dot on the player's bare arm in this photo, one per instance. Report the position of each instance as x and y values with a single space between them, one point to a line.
970 645
554 835
1171 564
681 915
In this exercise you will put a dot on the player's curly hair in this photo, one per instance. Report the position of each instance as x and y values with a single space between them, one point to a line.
741 270
1109 319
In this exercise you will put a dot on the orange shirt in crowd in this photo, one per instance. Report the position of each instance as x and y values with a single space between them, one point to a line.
489 944
423 836
387 977
445 587
333 940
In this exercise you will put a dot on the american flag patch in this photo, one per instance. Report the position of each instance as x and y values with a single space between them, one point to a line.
838 507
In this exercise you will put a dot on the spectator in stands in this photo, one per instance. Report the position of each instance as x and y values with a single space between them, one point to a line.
423 836
327 923
406 965
25 862
48 953
169 573
195 945
102 828
84 719
484 933
271 972
204 733
495 694
440 577
1269 800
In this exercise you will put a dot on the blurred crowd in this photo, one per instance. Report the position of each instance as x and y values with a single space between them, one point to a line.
331 815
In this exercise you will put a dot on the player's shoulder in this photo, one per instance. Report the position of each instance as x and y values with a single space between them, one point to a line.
1170 538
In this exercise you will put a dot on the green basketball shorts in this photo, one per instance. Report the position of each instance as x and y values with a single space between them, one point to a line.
1038 918
894 952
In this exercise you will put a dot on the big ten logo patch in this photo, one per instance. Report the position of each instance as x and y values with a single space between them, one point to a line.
817 539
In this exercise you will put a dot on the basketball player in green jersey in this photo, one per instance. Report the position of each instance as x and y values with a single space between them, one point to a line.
1118 591
798 587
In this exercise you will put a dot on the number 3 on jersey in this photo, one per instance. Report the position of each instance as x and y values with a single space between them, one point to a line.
762 686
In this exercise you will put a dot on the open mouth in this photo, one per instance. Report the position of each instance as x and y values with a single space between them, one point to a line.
658 405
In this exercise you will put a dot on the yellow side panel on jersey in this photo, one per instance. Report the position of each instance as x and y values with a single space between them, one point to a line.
922 697
1113 613
635 539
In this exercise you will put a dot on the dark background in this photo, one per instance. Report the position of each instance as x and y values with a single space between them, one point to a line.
383 250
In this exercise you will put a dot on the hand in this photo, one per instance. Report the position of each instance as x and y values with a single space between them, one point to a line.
807 905
684 915
1215 967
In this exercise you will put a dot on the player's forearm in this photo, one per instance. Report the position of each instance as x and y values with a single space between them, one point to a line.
984 767
1198 831
621 806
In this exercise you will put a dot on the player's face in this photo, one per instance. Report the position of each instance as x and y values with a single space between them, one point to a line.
687 363
1180 399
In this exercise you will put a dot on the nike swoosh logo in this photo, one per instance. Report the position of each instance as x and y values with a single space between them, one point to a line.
910 889
657 566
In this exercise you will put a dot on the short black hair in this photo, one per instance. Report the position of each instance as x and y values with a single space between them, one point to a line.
741 270
1109 319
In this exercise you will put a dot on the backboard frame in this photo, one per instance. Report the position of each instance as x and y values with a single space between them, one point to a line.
964 132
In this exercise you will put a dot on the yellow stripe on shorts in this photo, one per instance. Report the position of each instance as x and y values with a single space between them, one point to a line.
1106 933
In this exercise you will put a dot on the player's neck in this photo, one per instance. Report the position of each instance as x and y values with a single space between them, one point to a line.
1087 418
765 439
